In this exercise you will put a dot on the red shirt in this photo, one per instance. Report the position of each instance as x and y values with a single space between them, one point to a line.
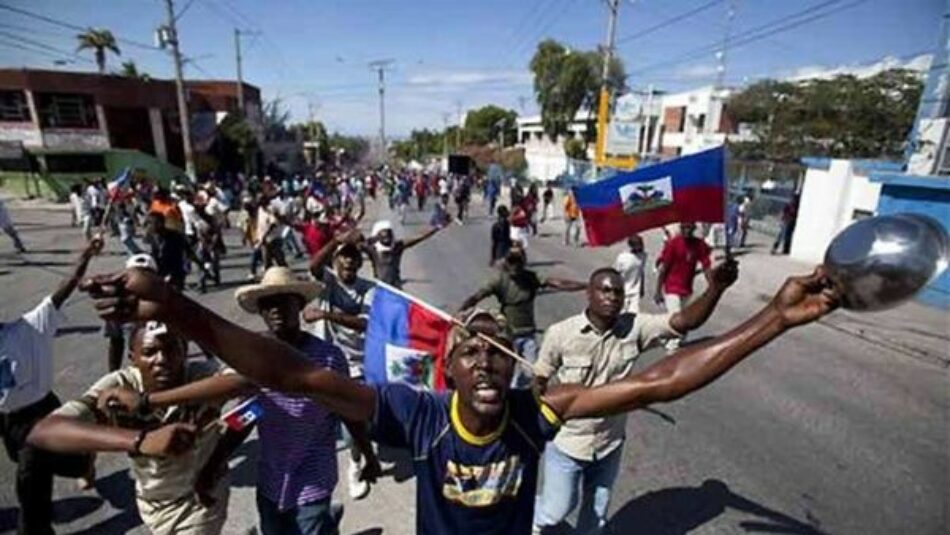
680 256
314 237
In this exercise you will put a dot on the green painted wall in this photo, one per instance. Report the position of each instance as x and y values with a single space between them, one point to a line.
56 186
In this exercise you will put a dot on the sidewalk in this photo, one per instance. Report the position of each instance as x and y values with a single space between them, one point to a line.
913 329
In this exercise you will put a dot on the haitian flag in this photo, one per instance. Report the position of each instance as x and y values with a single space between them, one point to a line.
245 414
690 188
117 187
405 341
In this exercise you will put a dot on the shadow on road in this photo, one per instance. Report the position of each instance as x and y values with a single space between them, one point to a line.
64 511
680 510
119 490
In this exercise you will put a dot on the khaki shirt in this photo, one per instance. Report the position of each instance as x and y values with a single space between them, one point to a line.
574 352
164 486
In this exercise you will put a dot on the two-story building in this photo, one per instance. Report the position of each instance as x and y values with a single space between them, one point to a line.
57 112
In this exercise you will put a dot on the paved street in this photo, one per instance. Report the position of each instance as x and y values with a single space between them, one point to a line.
839 427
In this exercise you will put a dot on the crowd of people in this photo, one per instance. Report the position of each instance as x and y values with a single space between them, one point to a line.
476 448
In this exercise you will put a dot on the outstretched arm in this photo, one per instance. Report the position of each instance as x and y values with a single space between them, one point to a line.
218 388
564 285
68 285
137 295
474 299
350 321
696 313
800 300
64 434
421 238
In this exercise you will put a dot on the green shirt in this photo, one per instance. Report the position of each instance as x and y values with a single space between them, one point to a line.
516 293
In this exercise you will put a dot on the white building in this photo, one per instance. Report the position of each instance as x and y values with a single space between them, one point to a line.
546 158
693 121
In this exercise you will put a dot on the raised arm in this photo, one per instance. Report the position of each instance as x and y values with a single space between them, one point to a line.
696 313
349 321
68 285
800 300
137 295
474 299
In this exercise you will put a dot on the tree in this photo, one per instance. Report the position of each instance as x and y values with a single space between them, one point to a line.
575 148
314 131
566 81
274 118
482 126
100 41
237 144
354 148
421 143
131 70
844 117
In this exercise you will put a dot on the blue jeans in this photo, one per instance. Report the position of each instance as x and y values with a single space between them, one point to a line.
314 518
527 347
560 492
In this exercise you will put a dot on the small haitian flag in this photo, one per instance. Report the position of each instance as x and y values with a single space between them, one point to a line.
691 188
405 341
244 415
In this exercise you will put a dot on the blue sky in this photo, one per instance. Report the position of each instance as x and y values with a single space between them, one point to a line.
313 54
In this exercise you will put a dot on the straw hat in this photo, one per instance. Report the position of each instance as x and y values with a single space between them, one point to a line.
277 280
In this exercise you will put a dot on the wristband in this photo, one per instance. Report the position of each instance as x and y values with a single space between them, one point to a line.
137 445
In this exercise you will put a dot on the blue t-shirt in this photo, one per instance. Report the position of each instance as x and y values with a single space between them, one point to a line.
466 483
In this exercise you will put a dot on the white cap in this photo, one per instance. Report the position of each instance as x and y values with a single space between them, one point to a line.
381 225
142 261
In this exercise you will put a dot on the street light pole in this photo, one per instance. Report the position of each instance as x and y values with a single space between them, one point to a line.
180 90
380 67
240 78
604 102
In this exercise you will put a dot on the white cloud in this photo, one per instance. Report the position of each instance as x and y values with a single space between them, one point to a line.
468 78
696 72
810 72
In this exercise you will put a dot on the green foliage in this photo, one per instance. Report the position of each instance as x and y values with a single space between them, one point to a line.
274 118
314 131
239 143
566 81
131 70
483 125
844 117
575 149
100 41
421 143
354 148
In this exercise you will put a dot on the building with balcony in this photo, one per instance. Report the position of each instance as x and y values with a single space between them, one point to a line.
57 112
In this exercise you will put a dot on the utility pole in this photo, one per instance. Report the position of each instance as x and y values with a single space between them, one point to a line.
445 137
458 131
603 107
172 39
240 78
380 67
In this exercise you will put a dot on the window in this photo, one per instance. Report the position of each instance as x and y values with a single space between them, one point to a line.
700 122
13 106
61 110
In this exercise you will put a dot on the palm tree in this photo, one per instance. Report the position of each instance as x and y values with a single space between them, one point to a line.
100 40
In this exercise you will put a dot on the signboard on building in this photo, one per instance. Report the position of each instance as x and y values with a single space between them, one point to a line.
623 131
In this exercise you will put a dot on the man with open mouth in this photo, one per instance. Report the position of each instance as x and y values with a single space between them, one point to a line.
476 447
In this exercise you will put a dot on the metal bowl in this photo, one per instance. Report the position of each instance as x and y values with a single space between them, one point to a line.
882 261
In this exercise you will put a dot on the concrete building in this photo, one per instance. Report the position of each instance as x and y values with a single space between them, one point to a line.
693 121
56 111
545 157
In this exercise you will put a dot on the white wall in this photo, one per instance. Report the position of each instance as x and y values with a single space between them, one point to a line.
829 199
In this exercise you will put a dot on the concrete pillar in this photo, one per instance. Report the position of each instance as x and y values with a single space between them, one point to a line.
158 133
34 115
103 124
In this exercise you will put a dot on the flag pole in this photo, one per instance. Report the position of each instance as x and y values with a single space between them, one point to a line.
455 321
725 203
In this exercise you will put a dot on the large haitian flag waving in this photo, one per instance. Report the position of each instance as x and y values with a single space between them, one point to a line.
405 341
690 188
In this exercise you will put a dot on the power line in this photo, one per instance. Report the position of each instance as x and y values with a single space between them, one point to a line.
763 31
64 24
38 44
670 21
28 49
526 45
